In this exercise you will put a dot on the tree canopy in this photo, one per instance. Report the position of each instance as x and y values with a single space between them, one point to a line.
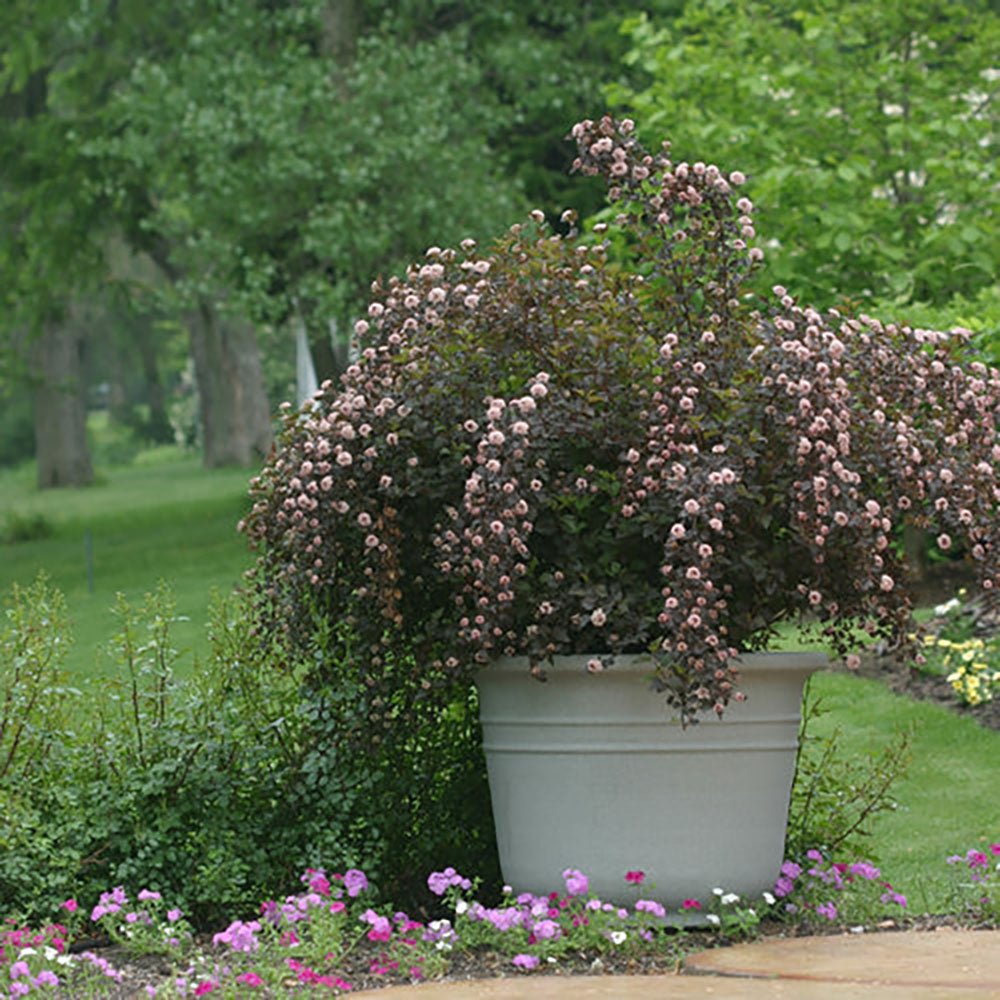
279 156
867 130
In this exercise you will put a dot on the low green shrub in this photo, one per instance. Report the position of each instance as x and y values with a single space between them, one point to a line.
836 798
416 761
25 528
35 740
219 789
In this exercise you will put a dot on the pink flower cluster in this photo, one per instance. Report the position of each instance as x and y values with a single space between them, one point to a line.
555 449
812 888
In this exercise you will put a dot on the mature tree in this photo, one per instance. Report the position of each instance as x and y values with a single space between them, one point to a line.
64 207
868 132
279 183
339 139
271 158
545 64
46 217
60 406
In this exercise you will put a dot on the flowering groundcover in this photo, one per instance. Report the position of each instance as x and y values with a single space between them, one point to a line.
309 940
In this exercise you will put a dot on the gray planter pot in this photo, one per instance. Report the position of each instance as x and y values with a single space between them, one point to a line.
592 772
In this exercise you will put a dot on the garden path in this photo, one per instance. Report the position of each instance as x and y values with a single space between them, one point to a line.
944 964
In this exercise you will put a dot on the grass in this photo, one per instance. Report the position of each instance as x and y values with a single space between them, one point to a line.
947 799
162 518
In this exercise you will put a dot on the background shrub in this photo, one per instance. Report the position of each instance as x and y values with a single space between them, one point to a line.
17 429
25 528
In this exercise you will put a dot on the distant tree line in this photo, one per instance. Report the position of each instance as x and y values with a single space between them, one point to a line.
183 184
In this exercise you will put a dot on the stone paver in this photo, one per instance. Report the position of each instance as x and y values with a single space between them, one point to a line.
943 958
664 988
938 965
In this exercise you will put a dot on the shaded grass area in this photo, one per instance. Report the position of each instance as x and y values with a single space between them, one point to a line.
948 799
163 518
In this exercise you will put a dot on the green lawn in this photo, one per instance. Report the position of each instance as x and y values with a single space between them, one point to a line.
948 799
162 518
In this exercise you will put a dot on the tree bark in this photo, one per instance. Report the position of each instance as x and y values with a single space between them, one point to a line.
60 405
341 25
235 416
158 429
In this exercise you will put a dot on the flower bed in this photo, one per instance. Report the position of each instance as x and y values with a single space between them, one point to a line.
959 654
328 938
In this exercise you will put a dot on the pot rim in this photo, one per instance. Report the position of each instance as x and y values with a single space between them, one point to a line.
782 660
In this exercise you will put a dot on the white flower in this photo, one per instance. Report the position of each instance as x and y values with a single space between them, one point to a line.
730 897
942 609
769 899
618 937
713 919
718 891
461 906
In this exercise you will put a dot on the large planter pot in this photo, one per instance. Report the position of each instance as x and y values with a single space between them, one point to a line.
593 772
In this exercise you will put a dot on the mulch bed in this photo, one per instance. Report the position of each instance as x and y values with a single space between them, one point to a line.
904 678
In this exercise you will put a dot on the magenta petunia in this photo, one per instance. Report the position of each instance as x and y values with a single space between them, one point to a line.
577 883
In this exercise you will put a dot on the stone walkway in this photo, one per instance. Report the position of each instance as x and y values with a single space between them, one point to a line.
914 965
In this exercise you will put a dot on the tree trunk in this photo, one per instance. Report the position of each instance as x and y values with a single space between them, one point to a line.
158 429
235 417
916 544
331 353
341 25
60 406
